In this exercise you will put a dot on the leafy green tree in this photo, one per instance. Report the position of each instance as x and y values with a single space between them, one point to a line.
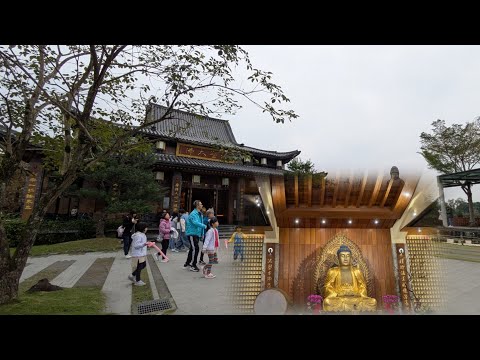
451 149
300 167
460 207
124 182
51 96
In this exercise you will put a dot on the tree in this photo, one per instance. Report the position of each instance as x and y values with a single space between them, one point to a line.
124 182
300 167
53 96
460 207
451 149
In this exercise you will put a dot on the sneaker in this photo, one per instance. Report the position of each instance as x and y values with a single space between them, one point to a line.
156 257
194 269
139 283
201 262
210 276
164 260
128 256
131 278
175 250
187 266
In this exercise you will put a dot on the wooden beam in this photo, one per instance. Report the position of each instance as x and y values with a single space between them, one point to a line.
399 193
362 189
349 190
382 204
296 190
322 191
335 191
403 200
309 189
375 212
278 194
376 189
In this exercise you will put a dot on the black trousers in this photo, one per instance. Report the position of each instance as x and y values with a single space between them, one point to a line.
164 246
201 253
127 240
193 251
138 270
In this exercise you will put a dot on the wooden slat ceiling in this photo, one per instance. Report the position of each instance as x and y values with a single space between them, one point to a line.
360 198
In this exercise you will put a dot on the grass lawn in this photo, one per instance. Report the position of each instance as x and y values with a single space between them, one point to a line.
78 246
71 301
141 293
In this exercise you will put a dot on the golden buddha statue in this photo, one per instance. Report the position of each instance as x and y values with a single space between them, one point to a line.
345 287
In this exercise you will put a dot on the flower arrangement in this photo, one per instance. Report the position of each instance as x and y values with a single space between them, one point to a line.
314 303
390 303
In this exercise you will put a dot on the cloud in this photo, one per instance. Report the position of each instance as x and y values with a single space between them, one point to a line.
362 106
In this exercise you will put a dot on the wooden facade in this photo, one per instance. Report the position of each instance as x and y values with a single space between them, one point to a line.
310 211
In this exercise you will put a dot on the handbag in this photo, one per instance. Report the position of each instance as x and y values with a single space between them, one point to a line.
159 237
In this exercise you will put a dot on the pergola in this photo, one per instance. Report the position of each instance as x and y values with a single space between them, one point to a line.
452 180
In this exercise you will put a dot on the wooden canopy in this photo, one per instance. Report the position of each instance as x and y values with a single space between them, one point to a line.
368 200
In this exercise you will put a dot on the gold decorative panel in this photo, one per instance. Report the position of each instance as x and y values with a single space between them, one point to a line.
246 275
425 273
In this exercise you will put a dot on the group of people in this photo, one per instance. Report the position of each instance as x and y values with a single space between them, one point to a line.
184 231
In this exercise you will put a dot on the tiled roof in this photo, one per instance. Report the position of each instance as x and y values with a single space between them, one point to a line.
184 162
203 130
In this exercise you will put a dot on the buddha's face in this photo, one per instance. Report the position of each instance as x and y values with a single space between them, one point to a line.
344 258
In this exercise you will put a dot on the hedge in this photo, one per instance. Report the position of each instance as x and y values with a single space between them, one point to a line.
51 232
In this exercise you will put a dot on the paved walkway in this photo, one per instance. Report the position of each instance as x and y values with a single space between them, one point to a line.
463 286
191 292
117 287
195 295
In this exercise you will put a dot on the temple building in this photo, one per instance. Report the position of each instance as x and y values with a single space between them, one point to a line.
198 158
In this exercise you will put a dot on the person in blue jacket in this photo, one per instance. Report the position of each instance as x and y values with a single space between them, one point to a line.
194 231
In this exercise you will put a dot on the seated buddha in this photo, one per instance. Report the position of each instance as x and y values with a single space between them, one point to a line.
345 286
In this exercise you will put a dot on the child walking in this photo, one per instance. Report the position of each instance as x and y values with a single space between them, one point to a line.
139 253
210 246
164 231
237 237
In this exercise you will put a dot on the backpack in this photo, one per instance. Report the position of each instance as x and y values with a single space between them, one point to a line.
120 231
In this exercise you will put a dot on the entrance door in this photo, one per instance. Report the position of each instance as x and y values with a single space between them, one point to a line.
206 196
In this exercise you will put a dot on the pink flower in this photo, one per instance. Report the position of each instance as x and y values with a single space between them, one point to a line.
315 299
390 299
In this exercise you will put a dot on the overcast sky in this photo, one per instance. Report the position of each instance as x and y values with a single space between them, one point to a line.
363 106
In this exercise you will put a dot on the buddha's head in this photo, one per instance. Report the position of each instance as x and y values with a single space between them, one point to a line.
344 255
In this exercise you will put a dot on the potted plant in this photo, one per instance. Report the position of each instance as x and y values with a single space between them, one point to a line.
390 303
314 303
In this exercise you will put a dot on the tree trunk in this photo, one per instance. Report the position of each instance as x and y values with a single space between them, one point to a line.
9 280
470 205
99 217
11 267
